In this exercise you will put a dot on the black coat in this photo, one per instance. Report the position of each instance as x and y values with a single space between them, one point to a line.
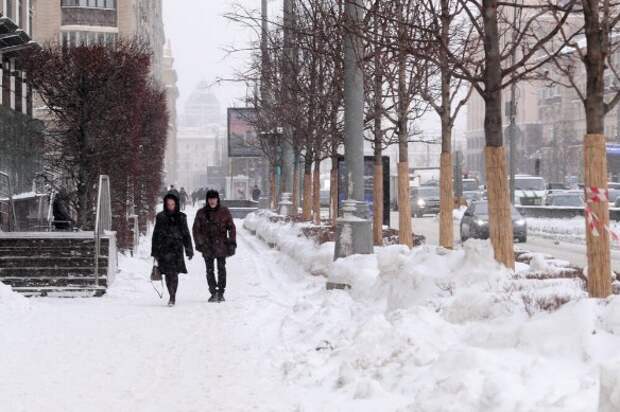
214 231
170 236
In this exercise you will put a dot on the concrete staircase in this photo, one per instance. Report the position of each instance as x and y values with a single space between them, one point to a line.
56 263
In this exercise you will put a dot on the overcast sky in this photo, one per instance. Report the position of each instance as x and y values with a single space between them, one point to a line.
200 33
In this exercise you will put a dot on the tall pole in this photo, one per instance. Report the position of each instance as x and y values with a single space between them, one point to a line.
353 230
512 128
265 93
354 103
288 156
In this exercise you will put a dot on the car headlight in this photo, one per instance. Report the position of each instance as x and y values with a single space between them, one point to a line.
480 222
421 203
520 222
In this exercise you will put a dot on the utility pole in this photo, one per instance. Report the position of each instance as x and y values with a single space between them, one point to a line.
353 230
512 128
265 95
354 103
288 157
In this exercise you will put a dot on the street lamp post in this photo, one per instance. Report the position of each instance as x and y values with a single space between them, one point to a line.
353 230
288 156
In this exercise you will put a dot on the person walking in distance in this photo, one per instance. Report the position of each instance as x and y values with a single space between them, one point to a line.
170 237
255 193
183 198
215 236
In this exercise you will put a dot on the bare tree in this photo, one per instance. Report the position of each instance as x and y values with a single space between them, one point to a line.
509 53
443 31
588 47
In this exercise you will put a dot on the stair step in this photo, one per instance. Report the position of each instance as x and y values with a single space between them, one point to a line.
44 281
66 272
50 261
60 242
39 251
68 292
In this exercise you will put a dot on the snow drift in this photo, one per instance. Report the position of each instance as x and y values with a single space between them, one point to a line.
434 330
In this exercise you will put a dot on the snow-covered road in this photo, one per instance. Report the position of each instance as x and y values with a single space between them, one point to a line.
573 251
129 352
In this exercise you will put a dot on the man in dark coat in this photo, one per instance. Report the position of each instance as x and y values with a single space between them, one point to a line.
183 198
255 193
62 218
170 237
215 236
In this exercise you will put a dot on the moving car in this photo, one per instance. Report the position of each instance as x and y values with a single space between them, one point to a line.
565 199
555 187
424 199
475 223
529 190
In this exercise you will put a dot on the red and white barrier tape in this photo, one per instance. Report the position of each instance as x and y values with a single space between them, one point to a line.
594 222
597 195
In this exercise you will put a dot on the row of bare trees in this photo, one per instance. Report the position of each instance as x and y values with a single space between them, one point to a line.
105 116
431 55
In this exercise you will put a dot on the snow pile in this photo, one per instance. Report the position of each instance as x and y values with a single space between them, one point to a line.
454 333
288 238
11 302
434 330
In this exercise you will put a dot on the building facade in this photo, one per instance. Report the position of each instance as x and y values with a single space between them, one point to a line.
169 81
21 138
527 136
199 148
73 22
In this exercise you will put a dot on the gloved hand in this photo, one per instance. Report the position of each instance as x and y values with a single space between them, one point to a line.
190 256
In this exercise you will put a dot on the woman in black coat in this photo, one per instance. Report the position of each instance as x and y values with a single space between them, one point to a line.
170 237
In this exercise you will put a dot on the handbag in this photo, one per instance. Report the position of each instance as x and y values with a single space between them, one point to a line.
155 274
231 247
156 277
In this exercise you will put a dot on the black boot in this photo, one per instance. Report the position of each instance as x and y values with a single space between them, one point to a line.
220 296
214 296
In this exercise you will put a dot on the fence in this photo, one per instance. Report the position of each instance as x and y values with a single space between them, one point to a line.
103 218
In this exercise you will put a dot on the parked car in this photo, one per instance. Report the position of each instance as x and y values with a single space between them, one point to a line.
475 223
555 187
424 199
565 199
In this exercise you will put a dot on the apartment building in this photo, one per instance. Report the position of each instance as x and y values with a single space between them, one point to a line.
73 22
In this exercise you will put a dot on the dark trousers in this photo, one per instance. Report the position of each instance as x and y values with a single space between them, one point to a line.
220 284
172 282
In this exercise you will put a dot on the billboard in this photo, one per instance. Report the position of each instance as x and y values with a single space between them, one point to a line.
242 134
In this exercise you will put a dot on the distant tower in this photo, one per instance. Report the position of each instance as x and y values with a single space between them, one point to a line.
202 108
169 78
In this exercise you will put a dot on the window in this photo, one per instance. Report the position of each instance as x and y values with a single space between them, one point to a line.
9 9
84 38
95 4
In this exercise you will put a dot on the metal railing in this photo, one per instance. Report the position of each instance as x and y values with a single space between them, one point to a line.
103 218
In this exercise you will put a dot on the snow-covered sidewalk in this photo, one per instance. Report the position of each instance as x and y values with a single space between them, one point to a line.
422 330
127 351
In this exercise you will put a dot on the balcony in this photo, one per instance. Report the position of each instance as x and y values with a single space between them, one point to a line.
85 16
